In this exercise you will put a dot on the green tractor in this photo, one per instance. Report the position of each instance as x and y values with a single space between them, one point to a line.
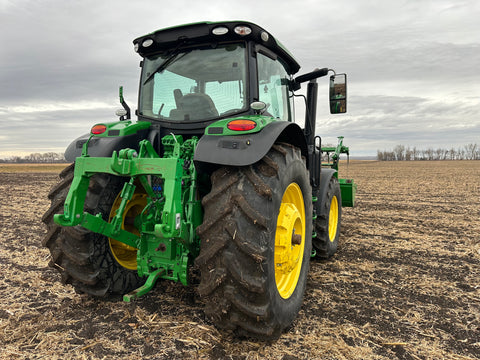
214 178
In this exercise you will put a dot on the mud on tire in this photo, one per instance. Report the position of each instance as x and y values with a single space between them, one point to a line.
84 258
237 257
327 224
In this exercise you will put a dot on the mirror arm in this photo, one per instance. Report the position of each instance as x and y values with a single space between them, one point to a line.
312 75
124 104
315 74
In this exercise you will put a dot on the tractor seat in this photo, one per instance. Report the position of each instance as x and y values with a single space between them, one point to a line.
194 106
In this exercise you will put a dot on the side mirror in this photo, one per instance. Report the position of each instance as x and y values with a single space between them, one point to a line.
338 94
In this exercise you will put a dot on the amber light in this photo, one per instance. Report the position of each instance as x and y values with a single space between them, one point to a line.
241 125
98 129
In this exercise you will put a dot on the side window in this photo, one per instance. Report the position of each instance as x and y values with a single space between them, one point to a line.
273 88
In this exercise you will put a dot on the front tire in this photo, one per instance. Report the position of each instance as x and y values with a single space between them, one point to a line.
256 244
86 259
327 224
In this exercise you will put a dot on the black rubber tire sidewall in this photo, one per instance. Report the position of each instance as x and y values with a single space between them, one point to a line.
236 260
286 310
322 245
82 257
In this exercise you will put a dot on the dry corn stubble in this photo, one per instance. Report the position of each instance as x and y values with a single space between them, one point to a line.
403 285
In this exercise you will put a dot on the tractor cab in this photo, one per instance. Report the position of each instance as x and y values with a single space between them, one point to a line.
196 74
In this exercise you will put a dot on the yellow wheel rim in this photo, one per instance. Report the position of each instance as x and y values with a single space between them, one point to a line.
333 219
289 241
124 254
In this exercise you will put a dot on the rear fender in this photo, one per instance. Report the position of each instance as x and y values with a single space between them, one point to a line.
105 146
325 175
242 150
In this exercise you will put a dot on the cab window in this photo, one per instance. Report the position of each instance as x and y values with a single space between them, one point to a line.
195 85
273 87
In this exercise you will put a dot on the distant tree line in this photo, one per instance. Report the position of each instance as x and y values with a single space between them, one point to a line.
401 152
36 158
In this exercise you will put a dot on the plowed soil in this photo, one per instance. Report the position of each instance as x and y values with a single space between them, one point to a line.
404 283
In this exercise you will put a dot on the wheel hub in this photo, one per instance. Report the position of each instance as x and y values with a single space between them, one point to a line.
126 255
333 219
289 240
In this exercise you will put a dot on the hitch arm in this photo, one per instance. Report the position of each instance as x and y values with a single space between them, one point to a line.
74 215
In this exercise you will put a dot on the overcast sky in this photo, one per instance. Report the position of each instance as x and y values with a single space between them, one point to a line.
413 65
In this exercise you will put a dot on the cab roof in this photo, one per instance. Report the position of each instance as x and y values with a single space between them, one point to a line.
188 35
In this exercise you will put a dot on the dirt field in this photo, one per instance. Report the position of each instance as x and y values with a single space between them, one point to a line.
403 285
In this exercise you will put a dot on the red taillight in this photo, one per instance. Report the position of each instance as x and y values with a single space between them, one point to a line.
241 125
98 129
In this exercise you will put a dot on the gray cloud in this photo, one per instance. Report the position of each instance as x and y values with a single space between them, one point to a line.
412 65
411 121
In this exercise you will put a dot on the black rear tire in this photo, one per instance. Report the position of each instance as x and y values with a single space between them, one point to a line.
239 257
84 258
327 224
